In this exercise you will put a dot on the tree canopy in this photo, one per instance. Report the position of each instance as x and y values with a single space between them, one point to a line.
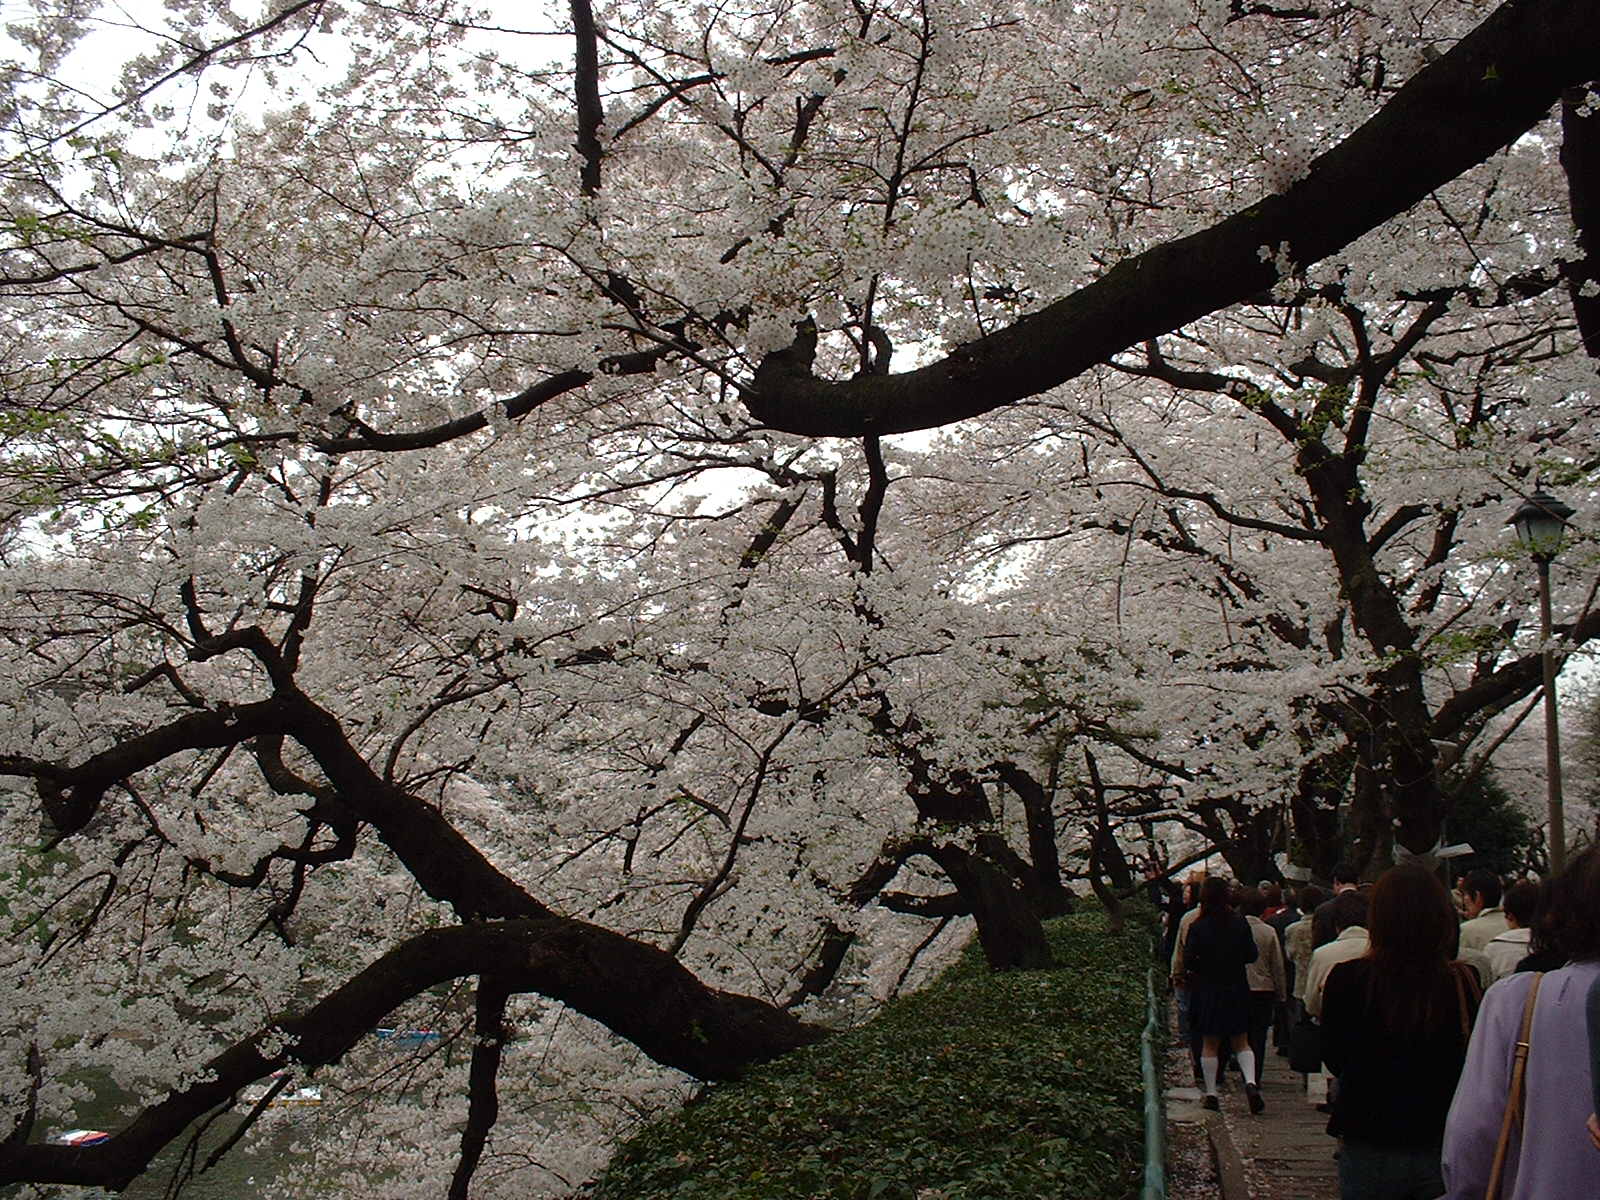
600 535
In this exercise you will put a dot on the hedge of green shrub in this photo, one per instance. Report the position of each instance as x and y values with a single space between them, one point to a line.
978 1087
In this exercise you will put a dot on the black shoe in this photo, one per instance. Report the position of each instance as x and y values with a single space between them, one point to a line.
1254 1094
1211 1102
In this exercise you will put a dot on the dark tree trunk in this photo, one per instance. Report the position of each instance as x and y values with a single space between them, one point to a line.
1409 762
1106 860
483 1096
1100 840
1402 757
1244 835
1106 851
1368 830
989 877
1043 880
1009 928
1314 806
1251 849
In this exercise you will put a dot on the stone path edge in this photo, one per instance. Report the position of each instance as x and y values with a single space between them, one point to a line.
1229 1162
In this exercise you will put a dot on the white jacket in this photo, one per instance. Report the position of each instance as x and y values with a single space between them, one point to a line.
1505 950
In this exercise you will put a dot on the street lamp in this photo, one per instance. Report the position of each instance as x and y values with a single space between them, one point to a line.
1540 523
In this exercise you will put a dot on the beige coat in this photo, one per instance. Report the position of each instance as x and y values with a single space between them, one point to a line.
1352 943
1267 973
1176 969
1478 932
1297 940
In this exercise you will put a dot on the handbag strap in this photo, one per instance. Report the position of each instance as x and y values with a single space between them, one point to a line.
1514 1097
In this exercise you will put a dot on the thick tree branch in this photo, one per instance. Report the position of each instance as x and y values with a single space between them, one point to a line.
444 863
946 904
1488 90
1505 686
1580 159
22 1127
836 940
1395 524
517 406
586 95
636 989
71 796
514 408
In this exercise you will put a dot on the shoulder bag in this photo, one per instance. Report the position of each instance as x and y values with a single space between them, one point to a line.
1515 1097
1466 981
1305 1045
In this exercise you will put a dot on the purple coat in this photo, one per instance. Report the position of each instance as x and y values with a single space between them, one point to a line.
1554 1156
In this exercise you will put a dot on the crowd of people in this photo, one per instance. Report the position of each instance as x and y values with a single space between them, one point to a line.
1460 1032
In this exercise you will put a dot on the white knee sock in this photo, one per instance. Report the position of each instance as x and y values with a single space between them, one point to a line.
1247 1065
1208 1072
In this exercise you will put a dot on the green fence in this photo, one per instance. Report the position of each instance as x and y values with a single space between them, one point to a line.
1155 1117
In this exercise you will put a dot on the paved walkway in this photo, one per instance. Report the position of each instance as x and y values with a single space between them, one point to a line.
1283 1154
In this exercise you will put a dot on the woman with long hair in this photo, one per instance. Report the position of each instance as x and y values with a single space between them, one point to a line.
1548 1152
1395 1024
1215 953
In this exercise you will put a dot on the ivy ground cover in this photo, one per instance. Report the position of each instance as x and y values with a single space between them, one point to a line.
981 1086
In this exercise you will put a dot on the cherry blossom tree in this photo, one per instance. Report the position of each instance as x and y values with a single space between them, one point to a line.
463 558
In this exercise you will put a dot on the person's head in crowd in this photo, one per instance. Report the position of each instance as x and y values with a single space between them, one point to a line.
1349 909
1272 894
1480 889
1408 912
1411 930
1345 877
1569 918
1252 902
1311 896
1216 896
1521 903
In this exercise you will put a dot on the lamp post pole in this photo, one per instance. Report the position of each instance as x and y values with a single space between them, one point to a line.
1552 727
1540 522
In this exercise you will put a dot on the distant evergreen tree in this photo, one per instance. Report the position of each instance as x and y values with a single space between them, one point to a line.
1486 816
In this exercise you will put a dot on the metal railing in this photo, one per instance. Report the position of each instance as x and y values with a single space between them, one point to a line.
1155 1117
